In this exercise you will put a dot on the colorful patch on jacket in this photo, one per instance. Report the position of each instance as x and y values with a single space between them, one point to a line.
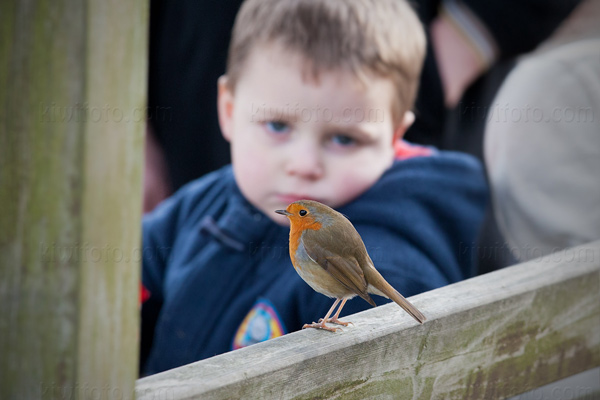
260 324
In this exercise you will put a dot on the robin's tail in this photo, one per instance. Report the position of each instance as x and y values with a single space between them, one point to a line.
406 305
383 288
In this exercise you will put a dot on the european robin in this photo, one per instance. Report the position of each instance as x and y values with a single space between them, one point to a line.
329 254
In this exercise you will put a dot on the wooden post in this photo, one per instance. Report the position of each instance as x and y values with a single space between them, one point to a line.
490 337
72 117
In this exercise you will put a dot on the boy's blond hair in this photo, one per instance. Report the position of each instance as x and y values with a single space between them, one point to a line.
381 37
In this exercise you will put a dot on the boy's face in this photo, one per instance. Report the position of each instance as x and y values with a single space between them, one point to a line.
293 138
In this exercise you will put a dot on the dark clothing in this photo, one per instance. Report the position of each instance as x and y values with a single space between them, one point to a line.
519 26
211 260
188 49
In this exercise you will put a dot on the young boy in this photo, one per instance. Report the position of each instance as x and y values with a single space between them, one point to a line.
316 98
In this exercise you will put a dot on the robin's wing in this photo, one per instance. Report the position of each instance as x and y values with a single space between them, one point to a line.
343 268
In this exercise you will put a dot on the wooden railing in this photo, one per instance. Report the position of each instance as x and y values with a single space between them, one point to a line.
492 336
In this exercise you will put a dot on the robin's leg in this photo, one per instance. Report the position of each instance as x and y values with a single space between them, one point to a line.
335 319
321 324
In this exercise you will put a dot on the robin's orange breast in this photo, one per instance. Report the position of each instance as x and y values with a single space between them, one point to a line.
296 230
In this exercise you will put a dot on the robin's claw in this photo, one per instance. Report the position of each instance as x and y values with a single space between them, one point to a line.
335 321
320 326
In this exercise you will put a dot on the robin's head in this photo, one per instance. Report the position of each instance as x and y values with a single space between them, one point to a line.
305 213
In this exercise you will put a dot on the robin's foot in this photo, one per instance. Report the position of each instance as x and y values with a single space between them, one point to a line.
335 321
320 325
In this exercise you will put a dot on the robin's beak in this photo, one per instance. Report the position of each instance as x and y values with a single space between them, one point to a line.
283 212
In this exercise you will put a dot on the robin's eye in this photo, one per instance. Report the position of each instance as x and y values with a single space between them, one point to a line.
303 213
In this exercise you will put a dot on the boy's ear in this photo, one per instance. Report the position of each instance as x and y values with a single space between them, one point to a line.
225 107
407 121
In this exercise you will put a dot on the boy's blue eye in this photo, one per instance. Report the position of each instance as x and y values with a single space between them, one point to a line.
277 126
343 140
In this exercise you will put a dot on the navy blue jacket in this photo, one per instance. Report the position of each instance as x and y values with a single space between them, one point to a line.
219 273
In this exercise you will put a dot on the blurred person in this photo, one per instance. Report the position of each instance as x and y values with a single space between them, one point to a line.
542 143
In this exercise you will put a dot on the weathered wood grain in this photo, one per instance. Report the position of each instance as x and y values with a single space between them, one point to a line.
492 336
72 118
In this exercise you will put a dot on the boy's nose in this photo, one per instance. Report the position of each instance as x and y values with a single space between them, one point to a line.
305 161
